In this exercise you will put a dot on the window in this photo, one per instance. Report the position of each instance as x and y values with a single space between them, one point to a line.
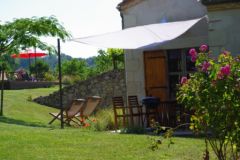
174 57
179 64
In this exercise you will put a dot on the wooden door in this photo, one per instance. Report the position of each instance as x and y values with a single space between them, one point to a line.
156 74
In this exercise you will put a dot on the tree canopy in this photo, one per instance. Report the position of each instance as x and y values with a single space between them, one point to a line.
75 67
108 60
24 33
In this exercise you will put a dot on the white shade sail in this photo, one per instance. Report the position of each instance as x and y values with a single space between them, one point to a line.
140 36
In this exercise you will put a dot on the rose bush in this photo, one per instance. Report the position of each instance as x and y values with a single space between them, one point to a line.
213 93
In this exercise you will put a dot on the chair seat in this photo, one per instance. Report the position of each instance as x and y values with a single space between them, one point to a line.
57 114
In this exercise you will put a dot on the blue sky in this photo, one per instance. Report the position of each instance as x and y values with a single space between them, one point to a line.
80 17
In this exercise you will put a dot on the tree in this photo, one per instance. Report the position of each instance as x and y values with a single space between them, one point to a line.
24 33
117 57
103 62
75 67
10 63
108 60
39 68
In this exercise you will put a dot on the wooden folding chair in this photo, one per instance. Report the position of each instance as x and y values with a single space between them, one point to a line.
70 112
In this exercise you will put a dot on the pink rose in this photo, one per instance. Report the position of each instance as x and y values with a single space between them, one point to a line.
193 52
203 48
193 58
184 80
205 66
225 70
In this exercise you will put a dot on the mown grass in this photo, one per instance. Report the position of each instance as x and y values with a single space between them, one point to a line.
25 135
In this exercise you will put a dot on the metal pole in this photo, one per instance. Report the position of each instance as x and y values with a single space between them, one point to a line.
2 88
60 81
35 58
29 61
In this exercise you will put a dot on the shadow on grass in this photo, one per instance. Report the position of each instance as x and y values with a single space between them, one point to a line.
20 122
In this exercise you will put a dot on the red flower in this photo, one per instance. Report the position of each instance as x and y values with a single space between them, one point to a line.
82 120
86 125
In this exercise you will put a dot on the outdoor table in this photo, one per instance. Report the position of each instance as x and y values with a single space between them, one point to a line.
151 108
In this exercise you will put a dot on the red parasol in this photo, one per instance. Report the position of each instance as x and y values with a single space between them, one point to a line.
28 55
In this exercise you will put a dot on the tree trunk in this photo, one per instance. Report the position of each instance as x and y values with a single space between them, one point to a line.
2 88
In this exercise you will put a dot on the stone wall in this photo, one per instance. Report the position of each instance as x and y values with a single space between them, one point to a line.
105 85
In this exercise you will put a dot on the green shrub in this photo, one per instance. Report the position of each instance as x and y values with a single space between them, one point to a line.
104 119
213 92
39 68
49 77
71 79
29 98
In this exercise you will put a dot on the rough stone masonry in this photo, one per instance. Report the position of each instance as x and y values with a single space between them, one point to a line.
106 86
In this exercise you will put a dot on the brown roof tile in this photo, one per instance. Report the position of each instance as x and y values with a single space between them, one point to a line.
210 2
127 3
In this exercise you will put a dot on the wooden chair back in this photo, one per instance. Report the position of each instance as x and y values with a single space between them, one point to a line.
76 106
133 102
118 102
120 111
90 105
118 106
135 108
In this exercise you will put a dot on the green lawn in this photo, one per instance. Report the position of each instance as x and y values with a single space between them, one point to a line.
25 135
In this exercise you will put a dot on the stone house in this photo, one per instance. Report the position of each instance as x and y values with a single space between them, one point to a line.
156 71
